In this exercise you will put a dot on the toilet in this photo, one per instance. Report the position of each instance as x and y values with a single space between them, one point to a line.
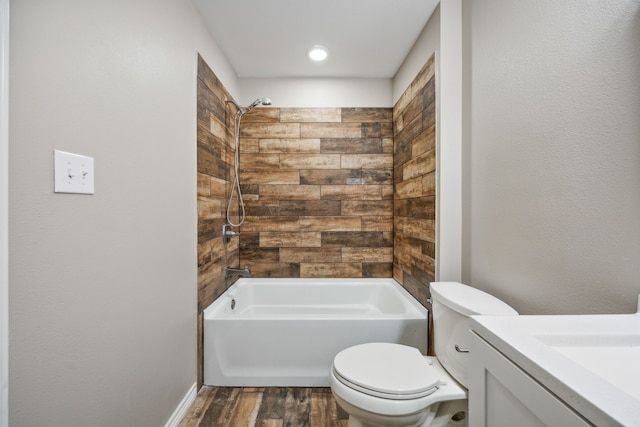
388 384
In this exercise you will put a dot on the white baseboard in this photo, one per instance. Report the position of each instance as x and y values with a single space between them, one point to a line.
182 408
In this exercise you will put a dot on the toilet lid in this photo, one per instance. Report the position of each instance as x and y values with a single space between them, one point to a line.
392 371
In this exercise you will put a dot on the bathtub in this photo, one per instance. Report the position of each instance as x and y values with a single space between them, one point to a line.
286 332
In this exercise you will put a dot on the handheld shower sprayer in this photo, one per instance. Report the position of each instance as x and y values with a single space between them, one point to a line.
240 111
263 101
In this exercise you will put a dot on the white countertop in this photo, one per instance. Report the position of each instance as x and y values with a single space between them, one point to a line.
591 362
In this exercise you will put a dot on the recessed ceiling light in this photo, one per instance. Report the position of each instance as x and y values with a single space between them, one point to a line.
318 53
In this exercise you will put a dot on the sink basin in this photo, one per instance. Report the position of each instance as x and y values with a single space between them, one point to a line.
591 362
614 357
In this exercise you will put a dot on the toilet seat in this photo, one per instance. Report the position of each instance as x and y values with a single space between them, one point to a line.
389 371
354 401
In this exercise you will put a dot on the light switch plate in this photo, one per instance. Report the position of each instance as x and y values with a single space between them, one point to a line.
73 173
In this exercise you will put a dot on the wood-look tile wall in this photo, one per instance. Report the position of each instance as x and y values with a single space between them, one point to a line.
318 189
414 166
215 165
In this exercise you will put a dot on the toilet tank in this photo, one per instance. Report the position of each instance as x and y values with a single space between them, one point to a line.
452 305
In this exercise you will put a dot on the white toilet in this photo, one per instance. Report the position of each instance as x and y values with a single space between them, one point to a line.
385 384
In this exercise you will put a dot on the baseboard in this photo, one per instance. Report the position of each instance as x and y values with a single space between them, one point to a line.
182 408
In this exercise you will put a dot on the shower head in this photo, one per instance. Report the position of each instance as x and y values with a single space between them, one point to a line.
263 101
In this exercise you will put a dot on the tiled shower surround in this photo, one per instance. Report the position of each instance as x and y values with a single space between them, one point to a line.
329 192
215 164
414 172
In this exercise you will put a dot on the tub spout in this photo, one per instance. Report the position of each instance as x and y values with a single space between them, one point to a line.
242 272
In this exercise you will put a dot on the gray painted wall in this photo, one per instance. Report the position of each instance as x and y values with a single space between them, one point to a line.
427 43
552 153
103 287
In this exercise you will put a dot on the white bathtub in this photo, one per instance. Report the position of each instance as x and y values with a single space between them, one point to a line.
286 332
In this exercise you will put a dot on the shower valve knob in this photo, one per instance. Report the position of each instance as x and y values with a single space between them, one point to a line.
228 233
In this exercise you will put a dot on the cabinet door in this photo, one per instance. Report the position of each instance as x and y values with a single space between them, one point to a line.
503 395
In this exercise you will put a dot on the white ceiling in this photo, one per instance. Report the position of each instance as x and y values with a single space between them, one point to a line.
269 38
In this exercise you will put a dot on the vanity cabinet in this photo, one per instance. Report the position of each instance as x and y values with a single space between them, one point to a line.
501 394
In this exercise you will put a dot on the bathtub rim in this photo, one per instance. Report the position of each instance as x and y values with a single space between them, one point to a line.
214 310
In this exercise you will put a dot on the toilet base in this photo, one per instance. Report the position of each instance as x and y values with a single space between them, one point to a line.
444 416
451 413
361 418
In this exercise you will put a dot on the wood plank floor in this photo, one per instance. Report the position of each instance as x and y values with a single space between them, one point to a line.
264 407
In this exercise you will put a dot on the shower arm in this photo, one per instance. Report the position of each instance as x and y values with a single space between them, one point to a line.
239 109
244 110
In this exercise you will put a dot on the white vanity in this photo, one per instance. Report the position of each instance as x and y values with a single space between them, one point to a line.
564 371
